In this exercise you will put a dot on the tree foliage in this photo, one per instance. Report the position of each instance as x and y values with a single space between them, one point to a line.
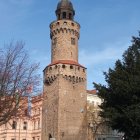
17 77
121 106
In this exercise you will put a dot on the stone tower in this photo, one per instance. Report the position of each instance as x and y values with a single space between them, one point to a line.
64 105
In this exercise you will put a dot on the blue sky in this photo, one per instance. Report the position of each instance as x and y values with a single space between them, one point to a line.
106 30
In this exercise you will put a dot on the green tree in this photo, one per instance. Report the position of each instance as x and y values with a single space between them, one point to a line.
121 95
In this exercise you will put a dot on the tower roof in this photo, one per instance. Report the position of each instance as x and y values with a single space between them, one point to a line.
65 10
65 4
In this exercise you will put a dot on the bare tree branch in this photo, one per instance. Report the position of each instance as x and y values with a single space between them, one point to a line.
17 75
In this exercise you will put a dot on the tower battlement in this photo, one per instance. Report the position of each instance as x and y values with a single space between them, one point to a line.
73 73
67 26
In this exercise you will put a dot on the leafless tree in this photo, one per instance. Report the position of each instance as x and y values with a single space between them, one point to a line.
17 78
96 124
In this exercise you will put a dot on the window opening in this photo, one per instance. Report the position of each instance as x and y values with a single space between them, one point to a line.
50 136
58 16
73 41
14 125
64 15
83 70
65 23
25 126
63 66
72 24
71 67
70 16
54 41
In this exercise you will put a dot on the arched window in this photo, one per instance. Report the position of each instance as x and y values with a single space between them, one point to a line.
64 15
58 16
70 16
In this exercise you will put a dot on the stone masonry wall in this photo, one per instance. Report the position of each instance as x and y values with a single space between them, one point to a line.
62 33
64 104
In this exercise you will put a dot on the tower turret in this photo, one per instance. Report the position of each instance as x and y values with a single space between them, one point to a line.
65 10
64 33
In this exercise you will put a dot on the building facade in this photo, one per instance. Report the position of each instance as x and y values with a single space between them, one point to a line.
25 125
64 104
97 127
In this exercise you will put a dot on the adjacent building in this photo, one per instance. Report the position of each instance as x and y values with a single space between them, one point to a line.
25 125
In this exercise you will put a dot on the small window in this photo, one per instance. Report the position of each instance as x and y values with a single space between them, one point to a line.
64 15
54 41
73 41
72 24
14 125
65 23
70 16
83 70
38 124
71 67
25 126
58 16
63 66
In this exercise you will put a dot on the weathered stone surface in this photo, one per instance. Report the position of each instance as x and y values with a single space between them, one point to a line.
64 105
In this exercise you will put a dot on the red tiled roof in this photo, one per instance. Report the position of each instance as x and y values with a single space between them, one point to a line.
66 62
94 91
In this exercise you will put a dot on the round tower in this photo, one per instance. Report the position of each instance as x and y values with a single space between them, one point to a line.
64 33
64 104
